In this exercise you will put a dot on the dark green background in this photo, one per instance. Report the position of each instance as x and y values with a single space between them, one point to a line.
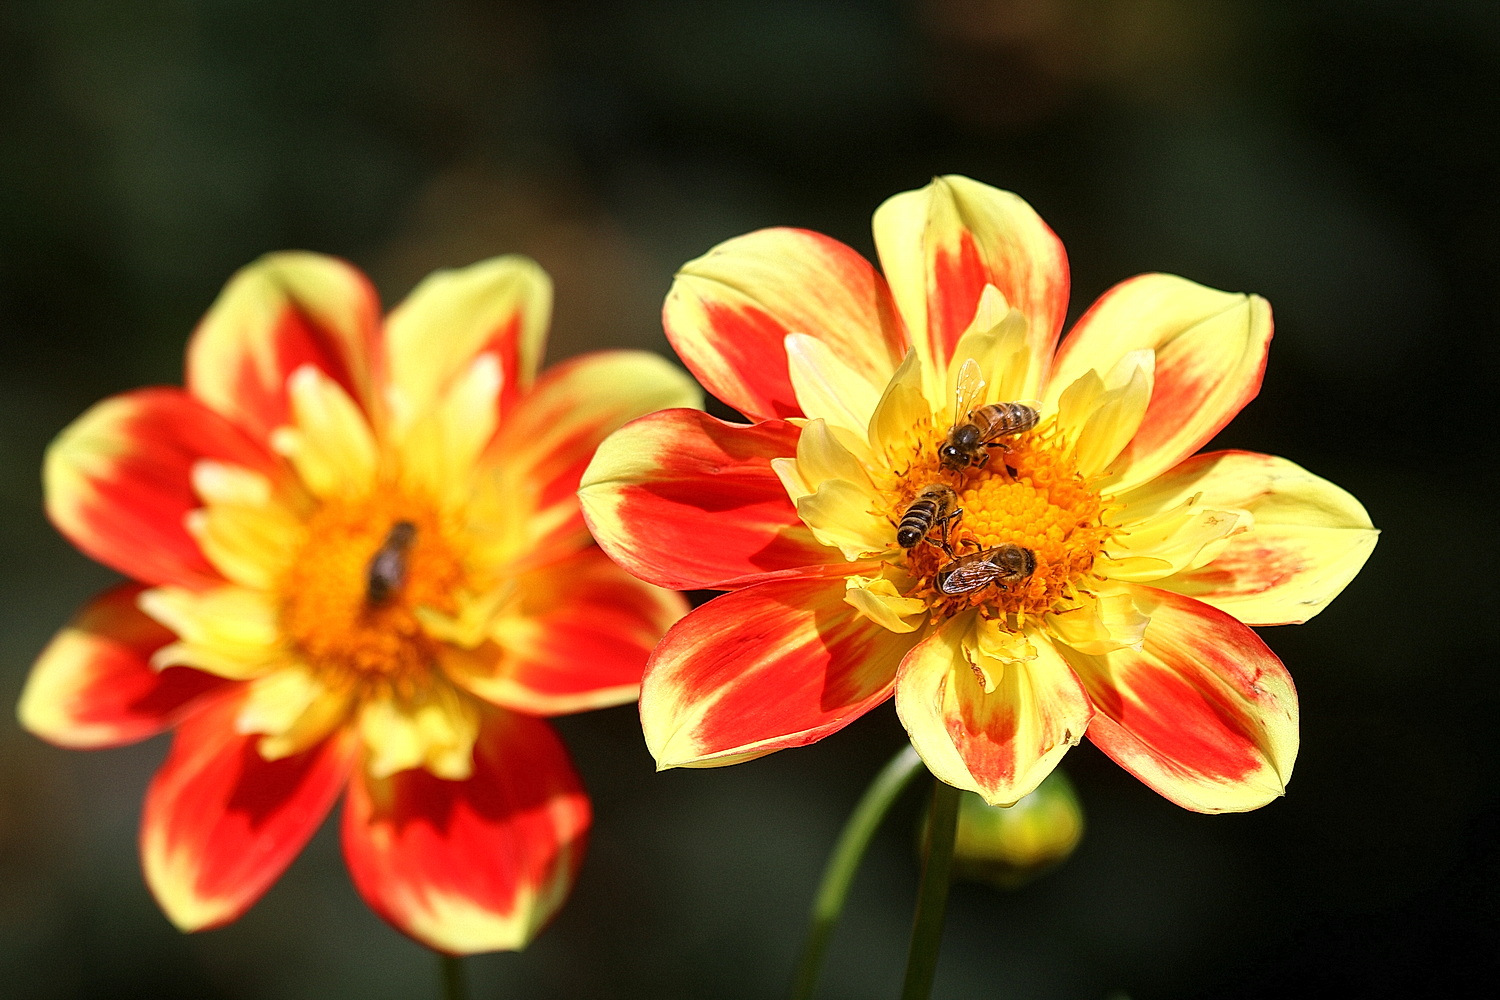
1338 157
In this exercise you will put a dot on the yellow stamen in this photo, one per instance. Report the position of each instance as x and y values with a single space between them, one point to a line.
328 610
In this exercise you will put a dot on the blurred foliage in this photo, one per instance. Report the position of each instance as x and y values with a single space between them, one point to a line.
1336 156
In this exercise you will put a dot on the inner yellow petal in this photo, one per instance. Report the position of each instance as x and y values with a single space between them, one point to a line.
330 442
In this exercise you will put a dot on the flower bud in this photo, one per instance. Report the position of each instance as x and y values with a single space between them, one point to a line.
1009 846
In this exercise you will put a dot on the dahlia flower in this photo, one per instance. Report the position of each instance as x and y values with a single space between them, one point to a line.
1087 574
356 560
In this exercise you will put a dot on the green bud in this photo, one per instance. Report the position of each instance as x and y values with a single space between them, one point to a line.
1009 846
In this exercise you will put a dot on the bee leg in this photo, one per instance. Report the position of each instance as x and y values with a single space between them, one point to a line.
946 524
1005 451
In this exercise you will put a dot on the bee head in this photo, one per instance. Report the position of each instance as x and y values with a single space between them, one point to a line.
952 455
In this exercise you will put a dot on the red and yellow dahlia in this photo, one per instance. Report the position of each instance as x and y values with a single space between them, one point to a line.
357 560
1150 561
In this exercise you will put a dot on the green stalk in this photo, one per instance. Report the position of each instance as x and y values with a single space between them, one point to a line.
455 983
932 895
844 861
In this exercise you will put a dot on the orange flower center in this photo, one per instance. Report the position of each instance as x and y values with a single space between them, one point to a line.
1028 494
350 598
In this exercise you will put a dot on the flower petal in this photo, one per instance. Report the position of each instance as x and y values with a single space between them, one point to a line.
248 533
221 823
501 305
119 481
1204 713
940 246
1308 539
878 599
576 638
841 513
329 442
729 312
1002 742
432 727
476 865
231 631
284 311
828 388
687 501
1210 353
777 665
94 686
552 434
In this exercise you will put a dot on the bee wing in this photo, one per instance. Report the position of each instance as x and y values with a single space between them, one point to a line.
966 576
968 389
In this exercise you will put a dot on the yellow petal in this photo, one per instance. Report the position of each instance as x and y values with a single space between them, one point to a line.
899 417
821 457
1184 537
293 709
1210 351
786 470
230 631
1307 538
330 443
435 729
840 513
245 533
1117 413
501 305
878 600
224 482
827 386
996 342
1101 624
439 447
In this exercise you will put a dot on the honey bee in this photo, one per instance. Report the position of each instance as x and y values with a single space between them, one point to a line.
388 566
976 429
1002 564
936 506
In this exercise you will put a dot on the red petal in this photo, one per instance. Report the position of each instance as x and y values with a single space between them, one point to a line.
476 865
729 312
1204 713
279 313
1003 743
689 502
221 822
780 664
94 686
577 639
550 437
118 482
941 245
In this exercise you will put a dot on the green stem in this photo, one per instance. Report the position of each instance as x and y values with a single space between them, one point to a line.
932 895
844 861
455 983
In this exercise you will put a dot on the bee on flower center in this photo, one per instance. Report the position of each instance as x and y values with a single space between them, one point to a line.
388 566
980 428
968 442
935 507
1003 564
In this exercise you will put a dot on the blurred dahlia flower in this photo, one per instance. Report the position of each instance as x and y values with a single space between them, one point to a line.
357 561
1083 571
